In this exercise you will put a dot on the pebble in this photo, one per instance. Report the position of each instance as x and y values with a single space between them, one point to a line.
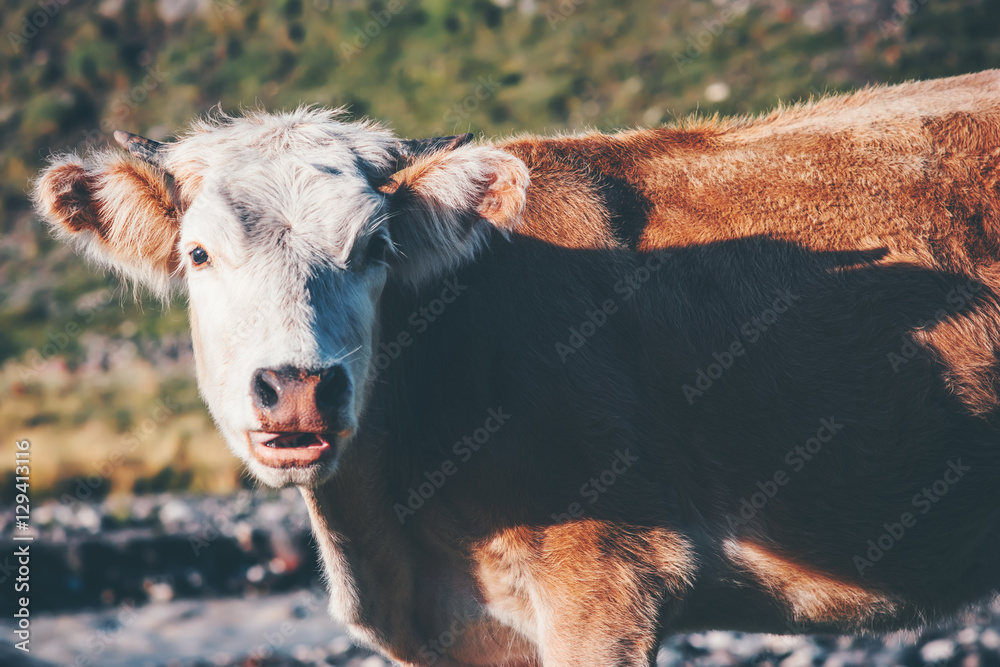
803 657
175 512
272 527
967 636
938 650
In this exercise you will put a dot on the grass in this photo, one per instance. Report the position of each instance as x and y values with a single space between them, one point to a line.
129 429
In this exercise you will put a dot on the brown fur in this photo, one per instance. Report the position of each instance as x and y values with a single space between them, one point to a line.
810 596
124 202
912 166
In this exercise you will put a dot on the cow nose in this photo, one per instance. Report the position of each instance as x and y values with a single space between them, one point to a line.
267 389
292 399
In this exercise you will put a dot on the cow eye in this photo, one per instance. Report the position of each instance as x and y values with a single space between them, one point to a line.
377 249
199 256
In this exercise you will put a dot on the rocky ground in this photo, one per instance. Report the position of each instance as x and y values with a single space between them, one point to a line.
158 548
171 581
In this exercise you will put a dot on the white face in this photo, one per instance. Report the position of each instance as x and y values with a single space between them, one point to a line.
284 264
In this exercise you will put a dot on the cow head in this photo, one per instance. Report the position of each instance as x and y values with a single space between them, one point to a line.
283 229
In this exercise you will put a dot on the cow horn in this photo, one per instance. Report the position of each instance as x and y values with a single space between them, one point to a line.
145 149
408 150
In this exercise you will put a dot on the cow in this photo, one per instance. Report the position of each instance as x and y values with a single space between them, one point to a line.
548 399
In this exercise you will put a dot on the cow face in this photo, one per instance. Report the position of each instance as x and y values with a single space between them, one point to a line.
284 229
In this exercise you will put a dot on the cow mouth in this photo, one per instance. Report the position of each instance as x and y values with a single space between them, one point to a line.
290 450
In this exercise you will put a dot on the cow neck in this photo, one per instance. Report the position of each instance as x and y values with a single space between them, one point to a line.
366 557
369 557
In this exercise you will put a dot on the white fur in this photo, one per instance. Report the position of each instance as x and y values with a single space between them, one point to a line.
278 290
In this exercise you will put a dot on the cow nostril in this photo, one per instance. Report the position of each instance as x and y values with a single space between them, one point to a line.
265 391
332 390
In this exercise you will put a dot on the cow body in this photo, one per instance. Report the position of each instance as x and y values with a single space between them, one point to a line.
745 502
846 253
737 375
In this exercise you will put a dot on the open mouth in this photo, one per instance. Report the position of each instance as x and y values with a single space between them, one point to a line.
290 450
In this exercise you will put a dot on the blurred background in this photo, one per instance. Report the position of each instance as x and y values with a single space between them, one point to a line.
137 500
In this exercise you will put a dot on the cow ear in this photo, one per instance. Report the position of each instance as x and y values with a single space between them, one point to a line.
445 204
118 209
407 151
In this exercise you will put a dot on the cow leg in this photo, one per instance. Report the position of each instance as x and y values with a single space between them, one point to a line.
585 644
604 591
